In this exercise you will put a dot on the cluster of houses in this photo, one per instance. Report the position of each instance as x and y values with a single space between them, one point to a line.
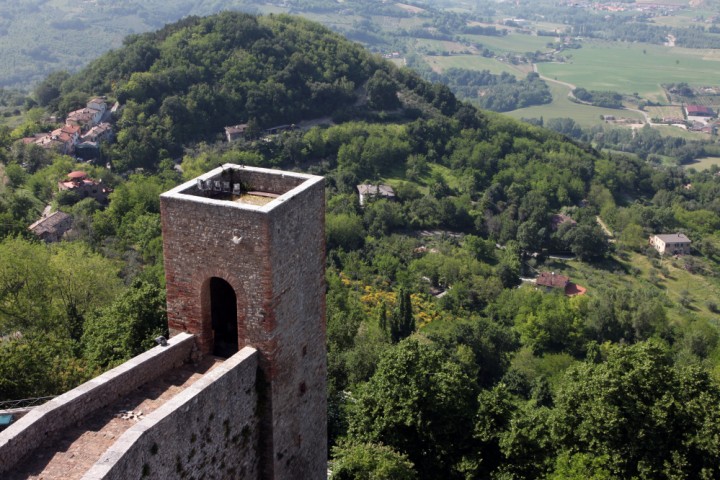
696 118
659 8
52 226
82 132
701 118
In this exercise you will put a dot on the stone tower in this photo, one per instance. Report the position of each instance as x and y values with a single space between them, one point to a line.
244 253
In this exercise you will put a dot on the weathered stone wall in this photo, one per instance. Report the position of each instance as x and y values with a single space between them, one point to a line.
23 436
299 364
209 430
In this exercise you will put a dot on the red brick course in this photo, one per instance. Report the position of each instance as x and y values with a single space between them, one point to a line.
273 258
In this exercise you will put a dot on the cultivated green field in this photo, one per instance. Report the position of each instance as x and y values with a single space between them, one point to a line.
669 131
475 62
424 44
629 68
704 163
561 106
512 43
635 271
665 112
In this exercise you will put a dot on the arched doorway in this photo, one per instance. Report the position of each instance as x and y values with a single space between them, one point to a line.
223 312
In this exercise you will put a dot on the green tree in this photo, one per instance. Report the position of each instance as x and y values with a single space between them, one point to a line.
647 416
402 322
125 328
418 403
382 92
37 364
368 461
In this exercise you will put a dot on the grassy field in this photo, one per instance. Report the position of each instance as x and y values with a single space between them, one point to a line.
475 62
634 271
704 163
629 68
665 112
425 44
512 43
667 130
561 106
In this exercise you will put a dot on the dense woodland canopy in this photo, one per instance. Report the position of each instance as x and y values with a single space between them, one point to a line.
486 381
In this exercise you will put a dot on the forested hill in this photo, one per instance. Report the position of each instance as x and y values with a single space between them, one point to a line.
444 359
187 81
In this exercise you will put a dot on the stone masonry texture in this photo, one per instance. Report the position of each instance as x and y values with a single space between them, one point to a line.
209 430
273 258
21 438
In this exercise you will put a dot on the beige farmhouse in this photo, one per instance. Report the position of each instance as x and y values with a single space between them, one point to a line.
671 244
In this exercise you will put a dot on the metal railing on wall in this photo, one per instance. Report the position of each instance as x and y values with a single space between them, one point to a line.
24 402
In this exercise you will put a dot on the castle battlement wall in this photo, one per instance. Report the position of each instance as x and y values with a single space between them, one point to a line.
208 430
22 437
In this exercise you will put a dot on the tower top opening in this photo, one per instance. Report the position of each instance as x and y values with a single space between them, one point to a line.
253 188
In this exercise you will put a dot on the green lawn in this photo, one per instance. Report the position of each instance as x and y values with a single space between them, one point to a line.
634 272
704 163
561 106
512 43
668 131
629 68
473 62
426 44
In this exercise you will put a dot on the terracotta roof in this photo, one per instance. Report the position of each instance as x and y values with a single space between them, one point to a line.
550 279
77 174
572 289
699 109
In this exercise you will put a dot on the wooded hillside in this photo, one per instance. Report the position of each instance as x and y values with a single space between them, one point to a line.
445 360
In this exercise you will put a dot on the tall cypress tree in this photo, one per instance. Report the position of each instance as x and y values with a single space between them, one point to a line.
402 323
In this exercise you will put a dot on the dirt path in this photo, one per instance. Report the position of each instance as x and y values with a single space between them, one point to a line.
604 227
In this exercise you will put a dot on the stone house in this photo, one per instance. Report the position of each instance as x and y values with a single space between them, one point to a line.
367 191
235 132
51 228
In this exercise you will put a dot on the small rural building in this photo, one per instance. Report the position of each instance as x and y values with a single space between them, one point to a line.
552 280
671 243
99 133
367 191
52 227
235 132
699 111
84 186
